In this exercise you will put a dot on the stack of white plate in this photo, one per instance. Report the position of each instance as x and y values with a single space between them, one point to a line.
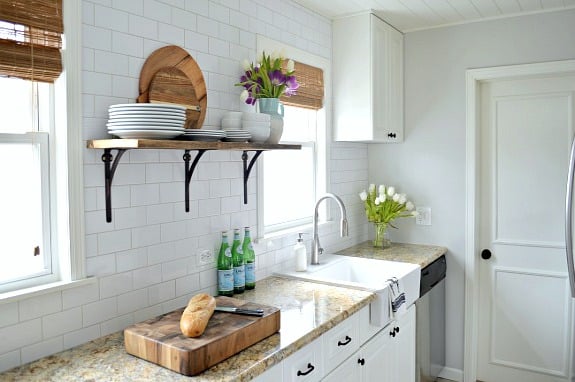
146 120
203 135
237 135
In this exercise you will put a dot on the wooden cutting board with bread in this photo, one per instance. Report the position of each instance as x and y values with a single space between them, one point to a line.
195 338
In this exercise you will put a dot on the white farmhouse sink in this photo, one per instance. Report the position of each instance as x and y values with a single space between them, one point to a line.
365 274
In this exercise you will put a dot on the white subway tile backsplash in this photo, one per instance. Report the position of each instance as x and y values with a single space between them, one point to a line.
120 196
207 26
239 20
145 277
81 336
135 7
187 284
97 38
218 47
9 314
173 231
39 306
116 324
158 172
101 265
116 284
160 253
88 13
209 207
123 86
97 83
136 64
147 313
174 269
156 10
81 295
219 12
143 27
127 44
114 241
132 301
159 213
9 360
145 194
145 156
19 335
145 236
132 259
127 173
62 322
208 278
161 292
248 7
171 34
229 33
110 18
184 19
42 349
99 311
196 41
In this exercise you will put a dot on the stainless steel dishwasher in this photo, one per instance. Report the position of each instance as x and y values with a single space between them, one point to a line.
430 347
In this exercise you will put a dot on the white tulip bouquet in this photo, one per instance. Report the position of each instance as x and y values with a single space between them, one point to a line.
383 206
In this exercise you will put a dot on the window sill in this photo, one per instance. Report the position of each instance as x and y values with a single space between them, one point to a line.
22 294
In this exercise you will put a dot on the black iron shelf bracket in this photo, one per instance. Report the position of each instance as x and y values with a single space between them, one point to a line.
190 171
248 169
110 165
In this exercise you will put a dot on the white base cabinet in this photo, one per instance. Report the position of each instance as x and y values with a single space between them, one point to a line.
387 357
354 351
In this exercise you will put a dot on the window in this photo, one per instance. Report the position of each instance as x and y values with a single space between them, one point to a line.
40 158
289 181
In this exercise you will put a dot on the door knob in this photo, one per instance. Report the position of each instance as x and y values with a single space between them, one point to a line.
486 254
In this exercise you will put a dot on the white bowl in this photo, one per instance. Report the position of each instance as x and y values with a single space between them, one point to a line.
255 123
257 117
231 124
259 133
233 115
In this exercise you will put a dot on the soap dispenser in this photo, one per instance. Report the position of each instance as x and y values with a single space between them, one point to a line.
300 255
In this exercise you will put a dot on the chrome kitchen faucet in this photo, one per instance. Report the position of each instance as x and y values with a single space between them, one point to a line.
316 249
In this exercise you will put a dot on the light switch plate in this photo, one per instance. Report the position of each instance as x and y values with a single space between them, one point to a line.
423 216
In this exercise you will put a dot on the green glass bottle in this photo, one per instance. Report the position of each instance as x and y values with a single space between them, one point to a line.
249 259
225 268
238 262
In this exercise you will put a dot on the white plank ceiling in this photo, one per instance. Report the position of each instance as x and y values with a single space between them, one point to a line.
410 15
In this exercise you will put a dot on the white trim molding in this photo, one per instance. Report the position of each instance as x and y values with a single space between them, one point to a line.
474 78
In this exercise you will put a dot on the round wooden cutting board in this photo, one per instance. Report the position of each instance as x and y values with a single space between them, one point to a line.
171 75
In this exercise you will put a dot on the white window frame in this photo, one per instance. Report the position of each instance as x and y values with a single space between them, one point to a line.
321 146
66 169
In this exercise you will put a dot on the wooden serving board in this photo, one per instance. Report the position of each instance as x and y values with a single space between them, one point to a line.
159 340
173 56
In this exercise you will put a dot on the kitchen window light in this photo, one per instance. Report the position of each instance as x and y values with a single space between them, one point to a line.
42 244
290 181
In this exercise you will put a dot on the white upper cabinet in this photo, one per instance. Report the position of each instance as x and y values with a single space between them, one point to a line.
368 80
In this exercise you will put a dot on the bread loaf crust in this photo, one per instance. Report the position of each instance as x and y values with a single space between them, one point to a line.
197 314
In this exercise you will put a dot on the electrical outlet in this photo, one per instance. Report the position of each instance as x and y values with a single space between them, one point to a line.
205 256
423 216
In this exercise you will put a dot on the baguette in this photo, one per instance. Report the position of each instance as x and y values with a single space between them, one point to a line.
197 314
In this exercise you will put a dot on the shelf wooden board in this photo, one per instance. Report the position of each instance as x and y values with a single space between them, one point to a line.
184 145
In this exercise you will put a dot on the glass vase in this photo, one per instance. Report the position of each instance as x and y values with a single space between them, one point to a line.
381 240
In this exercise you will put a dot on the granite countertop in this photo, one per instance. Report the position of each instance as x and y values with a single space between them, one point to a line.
420 254
307 311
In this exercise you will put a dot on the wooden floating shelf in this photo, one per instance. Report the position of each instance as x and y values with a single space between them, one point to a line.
122 145
184 145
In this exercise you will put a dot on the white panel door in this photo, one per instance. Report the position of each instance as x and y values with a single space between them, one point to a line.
525 309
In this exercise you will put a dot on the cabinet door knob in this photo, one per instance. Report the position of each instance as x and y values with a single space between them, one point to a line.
396 329
486 254
361 361
310 368
391 135
347 340
392 333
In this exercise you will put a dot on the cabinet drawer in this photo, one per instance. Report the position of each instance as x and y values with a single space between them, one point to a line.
274 374
340 342
305 365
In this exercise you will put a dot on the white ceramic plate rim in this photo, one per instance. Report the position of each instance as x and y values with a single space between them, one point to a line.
140 106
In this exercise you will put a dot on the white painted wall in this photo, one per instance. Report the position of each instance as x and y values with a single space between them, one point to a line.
145 261
430 164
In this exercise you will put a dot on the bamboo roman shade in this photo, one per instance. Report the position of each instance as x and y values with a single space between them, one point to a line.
309 95
30 39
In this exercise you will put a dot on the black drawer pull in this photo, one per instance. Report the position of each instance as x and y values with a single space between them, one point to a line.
347 340
361 361
392 332
396 329
310 368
